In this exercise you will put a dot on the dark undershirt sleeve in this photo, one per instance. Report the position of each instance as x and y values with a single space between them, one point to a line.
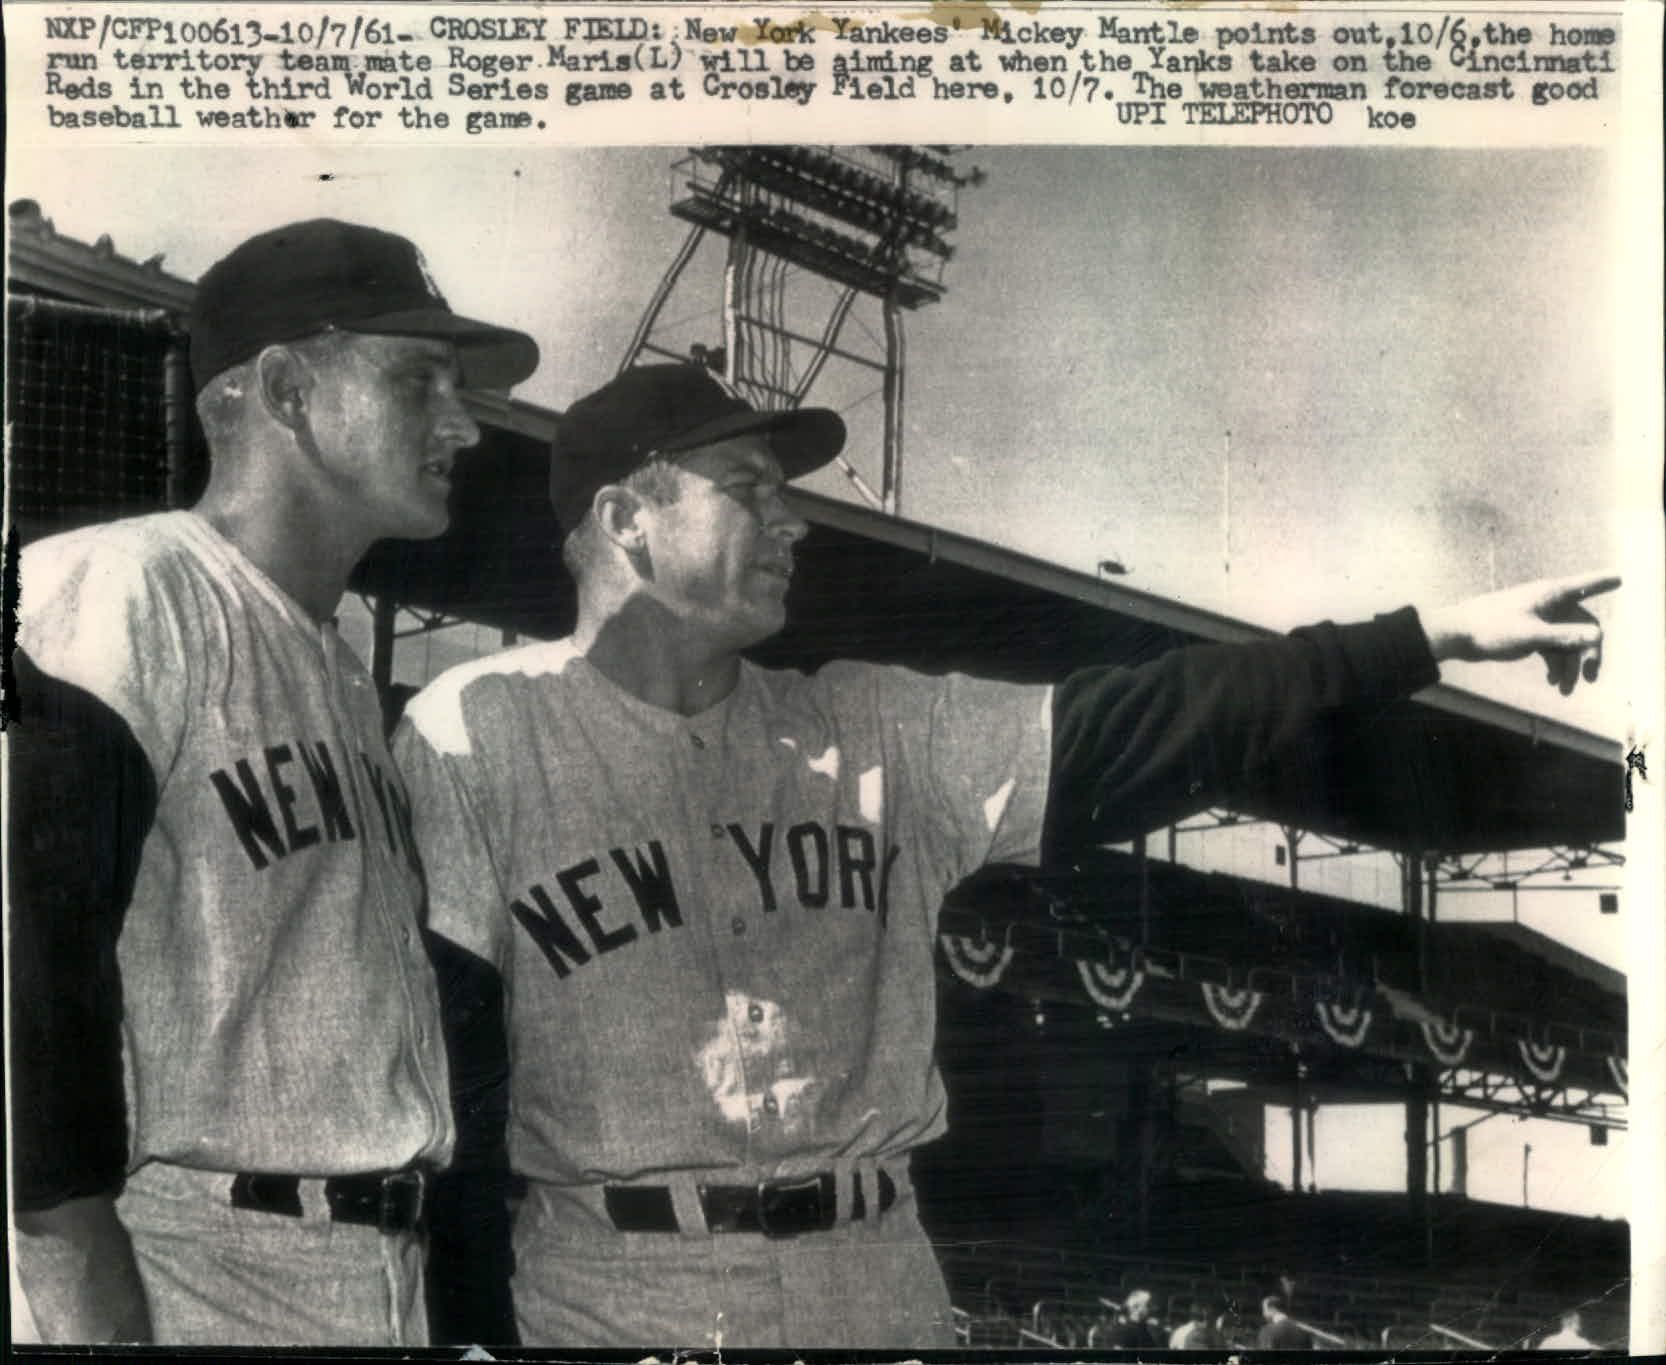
1136 748
470 1257
82 801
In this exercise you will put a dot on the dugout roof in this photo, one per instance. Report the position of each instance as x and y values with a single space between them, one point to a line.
1446 771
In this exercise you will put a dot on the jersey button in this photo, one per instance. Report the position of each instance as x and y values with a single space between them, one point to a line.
770 1106
697 741
717 831
755 1012
738 925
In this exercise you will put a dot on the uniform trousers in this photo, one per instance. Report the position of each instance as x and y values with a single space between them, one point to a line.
218 1275
872 1282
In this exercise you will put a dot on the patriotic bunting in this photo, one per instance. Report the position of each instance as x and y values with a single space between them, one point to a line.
1545 1062
1232 1009
1343 1025
977 962
1112 985
1114 982
1448 1042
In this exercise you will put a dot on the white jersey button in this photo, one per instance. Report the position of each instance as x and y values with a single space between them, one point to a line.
755 1012
770 1106
697 741
738 925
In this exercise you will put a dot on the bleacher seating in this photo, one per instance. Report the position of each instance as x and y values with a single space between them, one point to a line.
1015 1295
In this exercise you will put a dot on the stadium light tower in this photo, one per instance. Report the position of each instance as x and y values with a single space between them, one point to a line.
861 222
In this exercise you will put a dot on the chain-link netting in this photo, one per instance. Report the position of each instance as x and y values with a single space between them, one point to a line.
87 399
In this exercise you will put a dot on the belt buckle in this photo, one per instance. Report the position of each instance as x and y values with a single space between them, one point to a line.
388 1208
798 1204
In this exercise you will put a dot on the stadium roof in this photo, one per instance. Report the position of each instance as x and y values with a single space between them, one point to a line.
1447 771
43 261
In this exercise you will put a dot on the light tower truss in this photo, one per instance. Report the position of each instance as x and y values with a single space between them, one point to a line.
812 236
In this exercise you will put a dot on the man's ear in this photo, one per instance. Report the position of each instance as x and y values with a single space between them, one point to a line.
283 381
618 513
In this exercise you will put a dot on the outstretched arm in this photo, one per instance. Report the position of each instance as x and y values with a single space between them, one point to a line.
1134 748
1547 617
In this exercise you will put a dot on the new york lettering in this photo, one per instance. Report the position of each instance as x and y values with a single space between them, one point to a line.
649 880
264 796
854 857
589 913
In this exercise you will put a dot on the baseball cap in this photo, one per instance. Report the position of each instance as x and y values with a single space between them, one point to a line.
302 278
664 410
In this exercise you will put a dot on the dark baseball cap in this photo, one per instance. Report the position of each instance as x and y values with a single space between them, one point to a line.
303 278
665 410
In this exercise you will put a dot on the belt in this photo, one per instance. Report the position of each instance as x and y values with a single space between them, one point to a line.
390 1201
775 1208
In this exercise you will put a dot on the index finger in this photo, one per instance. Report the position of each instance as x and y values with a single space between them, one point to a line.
1577 587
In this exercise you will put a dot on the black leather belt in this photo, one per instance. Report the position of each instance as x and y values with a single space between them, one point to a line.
390 1201
775 1208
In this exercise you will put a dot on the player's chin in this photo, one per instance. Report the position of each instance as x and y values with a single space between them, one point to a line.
423 519
759 621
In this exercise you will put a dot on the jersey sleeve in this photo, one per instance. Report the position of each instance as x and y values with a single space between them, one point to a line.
450 818
102 678
1135 748
82 801
980 752
95 616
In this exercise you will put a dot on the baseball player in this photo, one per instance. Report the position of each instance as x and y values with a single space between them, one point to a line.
712 889
228 1075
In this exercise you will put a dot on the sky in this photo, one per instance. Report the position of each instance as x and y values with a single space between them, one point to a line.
1278 384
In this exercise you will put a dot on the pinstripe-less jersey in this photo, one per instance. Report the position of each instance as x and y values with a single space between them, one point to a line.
716 931
279 1011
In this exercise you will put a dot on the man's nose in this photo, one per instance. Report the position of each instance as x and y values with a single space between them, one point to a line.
785 524
455 426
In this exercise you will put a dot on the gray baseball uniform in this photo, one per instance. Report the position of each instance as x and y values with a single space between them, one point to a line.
716 935
274 1010
713 932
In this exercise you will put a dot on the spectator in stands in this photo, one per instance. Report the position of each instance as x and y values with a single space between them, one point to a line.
1197 1333
1570 1337
1135 1327
1280 1332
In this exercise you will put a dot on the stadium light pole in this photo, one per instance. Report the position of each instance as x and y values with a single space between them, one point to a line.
869 221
